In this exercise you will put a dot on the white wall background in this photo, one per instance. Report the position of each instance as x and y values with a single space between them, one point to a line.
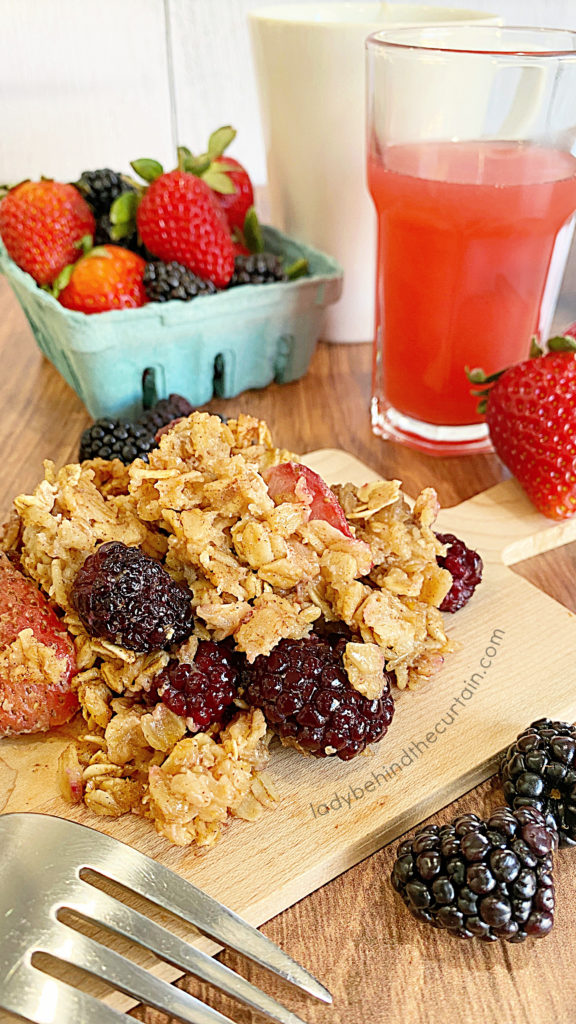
86 85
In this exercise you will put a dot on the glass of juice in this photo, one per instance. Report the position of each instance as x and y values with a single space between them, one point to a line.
472 170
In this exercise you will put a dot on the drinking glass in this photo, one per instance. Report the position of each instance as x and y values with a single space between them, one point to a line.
471 167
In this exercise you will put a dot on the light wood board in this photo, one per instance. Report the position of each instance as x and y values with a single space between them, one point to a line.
515 662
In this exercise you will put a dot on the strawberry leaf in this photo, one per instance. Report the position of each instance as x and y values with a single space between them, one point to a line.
220 140
483 382
535 349
192 164
123 229
297 269
477 376
98 252
562 343
218 181
147 169
123 209
253 236
62 280
84 243
184 158
183 154
225 165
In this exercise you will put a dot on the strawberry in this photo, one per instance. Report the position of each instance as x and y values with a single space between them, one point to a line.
107 277
29 701
290 481
240 249
237 203
179 218
531 414
42 224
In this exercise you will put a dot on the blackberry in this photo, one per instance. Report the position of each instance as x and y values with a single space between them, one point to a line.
306 697
481 879
257 268
166 410
104 235
465 567
116 439
126 597
120 439
165 281
100 189
539 770
202 691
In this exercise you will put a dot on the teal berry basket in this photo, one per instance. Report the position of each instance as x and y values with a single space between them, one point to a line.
221 344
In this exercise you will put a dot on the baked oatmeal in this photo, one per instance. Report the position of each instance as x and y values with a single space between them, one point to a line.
272 564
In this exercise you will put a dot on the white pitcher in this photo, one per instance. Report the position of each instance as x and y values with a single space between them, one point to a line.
310 71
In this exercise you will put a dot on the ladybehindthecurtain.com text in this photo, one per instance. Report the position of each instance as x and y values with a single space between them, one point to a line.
416 748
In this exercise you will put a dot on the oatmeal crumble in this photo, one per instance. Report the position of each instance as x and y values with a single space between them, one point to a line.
258 573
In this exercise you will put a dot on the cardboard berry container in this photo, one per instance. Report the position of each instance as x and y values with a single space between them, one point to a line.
218 344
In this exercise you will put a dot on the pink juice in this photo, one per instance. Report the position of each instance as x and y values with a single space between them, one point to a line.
465 238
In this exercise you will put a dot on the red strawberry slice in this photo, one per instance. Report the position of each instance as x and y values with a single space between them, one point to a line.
291 481
28 701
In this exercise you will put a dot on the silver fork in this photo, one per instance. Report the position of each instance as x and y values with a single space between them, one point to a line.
41 860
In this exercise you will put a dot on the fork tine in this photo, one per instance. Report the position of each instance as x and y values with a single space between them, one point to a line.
77 949
46 1000
103 909
160 885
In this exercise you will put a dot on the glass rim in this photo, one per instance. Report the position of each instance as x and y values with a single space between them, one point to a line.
297 12
375 41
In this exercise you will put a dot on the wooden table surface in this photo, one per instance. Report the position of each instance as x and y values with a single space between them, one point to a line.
354 933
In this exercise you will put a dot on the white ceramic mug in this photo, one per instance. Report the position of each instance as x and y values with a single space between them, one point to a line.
310 69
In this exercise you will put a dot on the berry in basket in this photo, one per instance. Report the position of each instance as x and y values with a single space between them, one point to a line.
102 187
113 198
180 219
165 281
107 277
235 204
43 224
257 268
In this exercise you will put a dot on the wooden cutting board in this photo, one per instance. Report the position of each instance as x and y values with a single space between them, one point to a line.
515 662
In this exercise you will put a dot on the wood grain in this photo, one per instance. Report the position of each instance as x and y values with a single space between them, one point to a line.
353 933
